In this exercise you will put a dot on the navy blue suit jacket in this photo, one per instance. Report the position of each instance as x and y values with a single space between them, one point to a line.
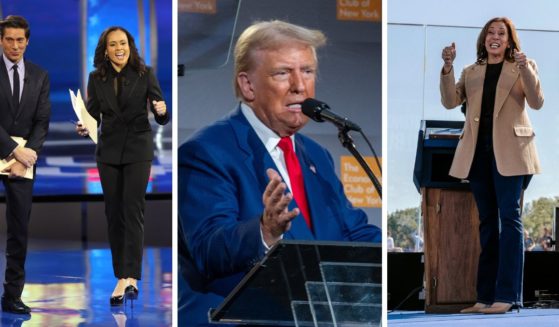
222 176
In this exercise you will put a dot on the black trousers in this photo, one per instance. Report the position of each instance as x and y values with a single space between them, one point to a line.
124 190
19 198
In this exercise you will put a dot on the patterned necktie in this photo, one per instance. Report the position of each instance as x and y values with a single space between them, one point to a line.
296 177
15 94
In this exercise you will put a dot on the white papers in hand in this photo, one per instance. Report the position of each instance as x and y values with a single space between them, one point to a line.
83 115
8 162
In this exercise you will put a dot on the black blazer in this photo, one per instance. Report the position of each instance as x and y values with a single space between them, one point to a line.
31 119
125 134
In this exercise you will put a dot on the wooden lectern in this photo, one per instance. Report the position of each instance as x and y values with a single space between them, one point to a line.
450 218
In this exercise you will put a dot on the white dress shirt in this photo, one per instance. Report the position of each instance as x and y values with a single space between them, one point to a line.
270 140
20 70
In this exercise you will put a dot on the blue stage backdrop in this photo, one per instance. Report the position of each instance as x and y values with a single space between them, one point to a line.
64 35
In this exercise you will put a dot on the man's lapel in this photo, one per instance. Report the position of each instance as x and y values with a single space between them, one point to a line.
28 84
255 156
5 87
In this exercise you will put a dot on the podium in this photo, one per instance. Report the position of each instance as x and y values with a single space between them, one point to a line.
309 283
450 218
436 143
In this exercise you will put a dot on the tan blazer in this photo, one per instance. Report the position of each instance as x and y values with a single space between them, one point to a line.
513 136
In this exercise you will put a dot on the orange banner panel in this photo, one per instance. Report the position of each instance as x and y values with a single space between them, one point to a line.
198 6
359 10
357 186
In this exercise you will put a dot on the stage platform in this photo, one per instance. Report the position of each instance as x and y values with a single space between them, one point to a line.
526 317
67 285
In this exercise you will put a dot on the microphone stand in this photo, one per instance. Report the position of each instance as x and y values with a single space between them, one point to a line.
347 142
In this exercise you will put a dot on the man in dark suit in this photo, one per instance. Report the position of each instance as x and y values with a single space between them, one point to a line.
250 179
24 113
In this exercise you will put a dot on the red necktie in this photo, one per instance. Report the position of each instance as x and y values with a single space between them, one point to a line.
296 177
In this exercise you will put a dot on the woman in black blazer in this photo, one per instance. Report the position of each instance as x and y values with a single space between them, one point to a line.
119 90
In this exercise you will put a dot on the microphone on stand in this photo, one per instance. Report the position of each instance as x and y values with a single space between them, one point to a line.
320 112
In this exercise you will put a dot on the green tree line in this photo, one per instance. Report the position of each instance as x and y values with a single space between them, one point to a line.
537 214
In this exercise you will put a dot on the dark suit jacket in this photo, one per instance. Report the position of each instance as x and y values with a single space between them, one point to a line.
31 119
125 135
222 176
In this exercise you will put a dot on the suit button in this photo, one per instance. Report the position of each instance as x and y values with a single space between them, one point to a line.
476 119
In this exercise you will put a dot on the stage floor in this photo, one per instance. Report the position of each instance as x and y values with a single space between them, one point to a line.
526 317
69 286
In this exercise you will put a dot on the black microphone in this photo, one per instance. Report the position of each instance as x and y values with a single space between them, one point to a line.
320 111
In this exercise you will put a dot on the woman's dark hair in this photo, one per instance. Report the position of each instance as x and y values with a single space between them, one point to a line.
102 63
514 42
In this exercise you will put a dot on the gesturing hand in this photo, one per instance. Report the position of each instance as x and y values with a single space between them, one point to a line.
81 129
160 107
276 218
448 55
520 59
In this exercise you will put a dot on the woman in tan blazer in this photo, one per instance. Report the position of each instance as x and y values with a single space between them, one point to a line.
496 153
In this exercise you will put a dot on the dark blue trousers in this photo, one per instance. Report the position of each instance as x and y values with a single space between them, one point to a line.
501 261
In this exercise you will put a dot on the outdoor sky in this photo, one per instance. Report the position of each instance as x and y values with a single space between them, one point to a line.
417 32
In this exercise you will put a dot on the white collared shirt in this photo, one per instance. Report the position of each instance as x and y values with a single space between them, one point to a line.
20 70
270 140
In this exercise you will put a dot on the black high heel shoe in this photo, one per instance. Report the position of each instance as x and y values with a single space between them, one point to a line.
131 292
117 300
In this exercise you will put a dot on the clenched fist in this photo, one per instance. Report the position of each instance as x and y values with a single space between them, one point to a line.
448 55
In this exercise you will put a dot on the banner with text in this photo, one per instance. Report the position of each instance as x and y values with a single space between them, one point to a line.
197 6
359 10
357 186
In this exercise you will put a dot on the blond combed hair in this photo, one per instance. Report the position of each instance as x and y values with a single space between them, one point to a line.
271 35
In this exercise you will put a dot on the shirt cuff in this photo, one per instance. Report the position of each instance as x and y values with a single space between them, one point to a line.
11 155
266 247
